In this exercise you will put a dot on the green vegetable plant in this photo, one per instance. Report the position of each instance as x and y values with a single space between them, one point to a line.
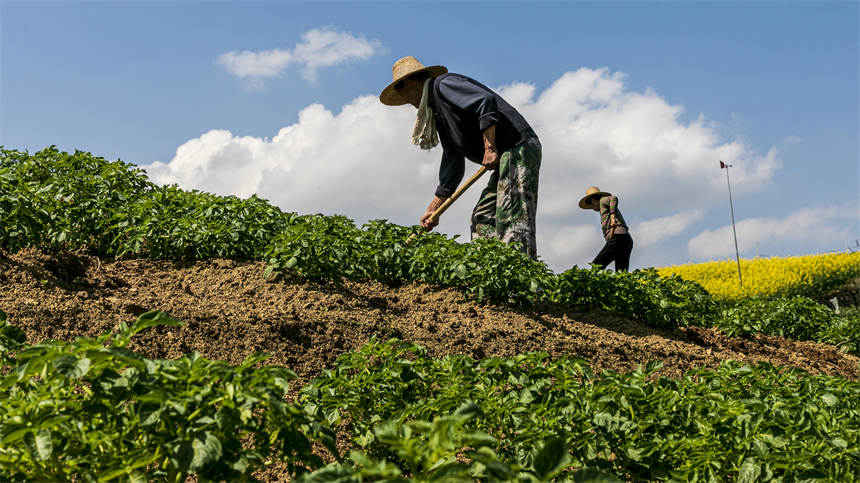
57 201
641 294
795 317
174 224
445 450
844 331
92 410
737 422
316 247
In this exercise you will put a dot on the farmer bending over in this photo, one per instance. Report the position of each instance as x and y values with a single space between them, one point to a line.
473 122
619 244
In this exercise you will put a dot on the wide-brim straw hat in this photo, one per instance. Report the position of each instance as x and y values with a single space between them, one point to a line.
585 202
402 69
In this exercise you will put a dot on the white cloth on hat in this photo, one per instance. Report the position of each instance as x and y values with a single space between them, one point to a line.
424 133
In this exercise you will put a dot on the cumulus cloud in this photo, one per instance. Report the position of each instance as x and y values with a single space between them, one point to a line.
654 231
573 245
821 226
594 131
265 63
353 163
319 48
324 48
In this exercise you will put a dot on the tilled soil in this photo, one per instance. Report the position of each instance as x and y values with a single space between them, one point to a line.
230 312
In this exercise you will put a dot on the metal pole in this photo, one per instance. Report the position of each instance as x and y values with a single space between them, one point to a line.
731 206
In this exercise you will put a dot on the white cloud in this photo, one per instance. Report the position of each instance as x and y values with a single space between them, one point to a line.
656 230
573 245
822 226
319 48
359 162
325 48
595 132
351 163
265 63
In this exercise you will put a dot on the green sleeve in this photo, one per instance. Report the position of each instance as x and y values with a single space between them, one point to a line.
608 204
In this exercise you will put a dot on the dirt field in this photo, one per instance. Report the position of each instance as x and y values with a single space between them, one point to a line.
230 311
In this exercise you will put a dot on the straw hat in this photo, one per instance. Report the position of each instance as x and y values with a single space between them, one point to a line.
402 69
585 202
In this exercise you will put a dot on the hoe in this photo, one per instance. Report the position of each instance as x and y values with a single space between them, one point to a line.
436 214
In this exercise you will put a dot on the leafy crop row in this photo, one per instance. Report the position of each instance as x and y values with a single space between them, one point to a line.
735 423
92 410
59 201
843 332
331 248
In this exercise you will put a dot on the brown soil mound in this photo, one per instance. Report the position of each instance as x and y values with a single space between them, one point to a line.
230 312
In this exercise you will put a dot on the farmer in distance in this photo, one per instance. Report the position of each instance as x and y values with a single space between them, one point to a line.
619 243
473 122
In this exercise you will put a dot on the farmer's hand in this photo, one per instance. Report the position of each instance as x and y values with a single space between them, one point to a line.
491 158
426 220
616 226
491 153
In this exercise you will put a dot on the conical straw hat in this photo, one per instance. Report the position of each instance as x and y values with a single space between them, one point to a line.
402 69
585 202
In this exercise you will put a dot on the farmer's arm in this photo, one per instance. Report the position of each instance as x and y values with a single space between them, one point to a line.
608 205
613 205
451 171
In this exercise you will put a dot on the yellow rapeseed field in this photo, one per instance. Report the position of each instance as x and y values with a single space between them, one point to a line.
771 276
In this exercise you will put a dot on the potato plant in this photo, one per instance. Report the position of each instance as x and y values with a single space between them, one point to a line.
735 423
445 450
58 201
174 224
92 410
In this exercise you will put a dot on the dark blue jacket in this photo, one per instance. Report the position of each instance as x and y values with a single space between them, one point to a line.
463 108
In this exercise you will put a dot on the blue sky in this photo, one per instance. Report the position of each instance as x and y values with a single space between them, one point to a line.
774 82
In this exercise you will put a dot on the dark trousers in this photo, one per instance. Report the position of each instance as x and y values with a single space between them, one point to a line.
617 249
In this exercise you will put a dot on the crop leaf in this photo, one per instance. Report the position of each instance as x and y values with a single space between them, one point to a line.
71 367
552 458
750 471
207 450
11 337
593 475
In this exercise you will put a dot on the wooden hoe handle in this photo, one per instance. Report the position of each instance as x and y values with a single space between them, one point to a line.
436 214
